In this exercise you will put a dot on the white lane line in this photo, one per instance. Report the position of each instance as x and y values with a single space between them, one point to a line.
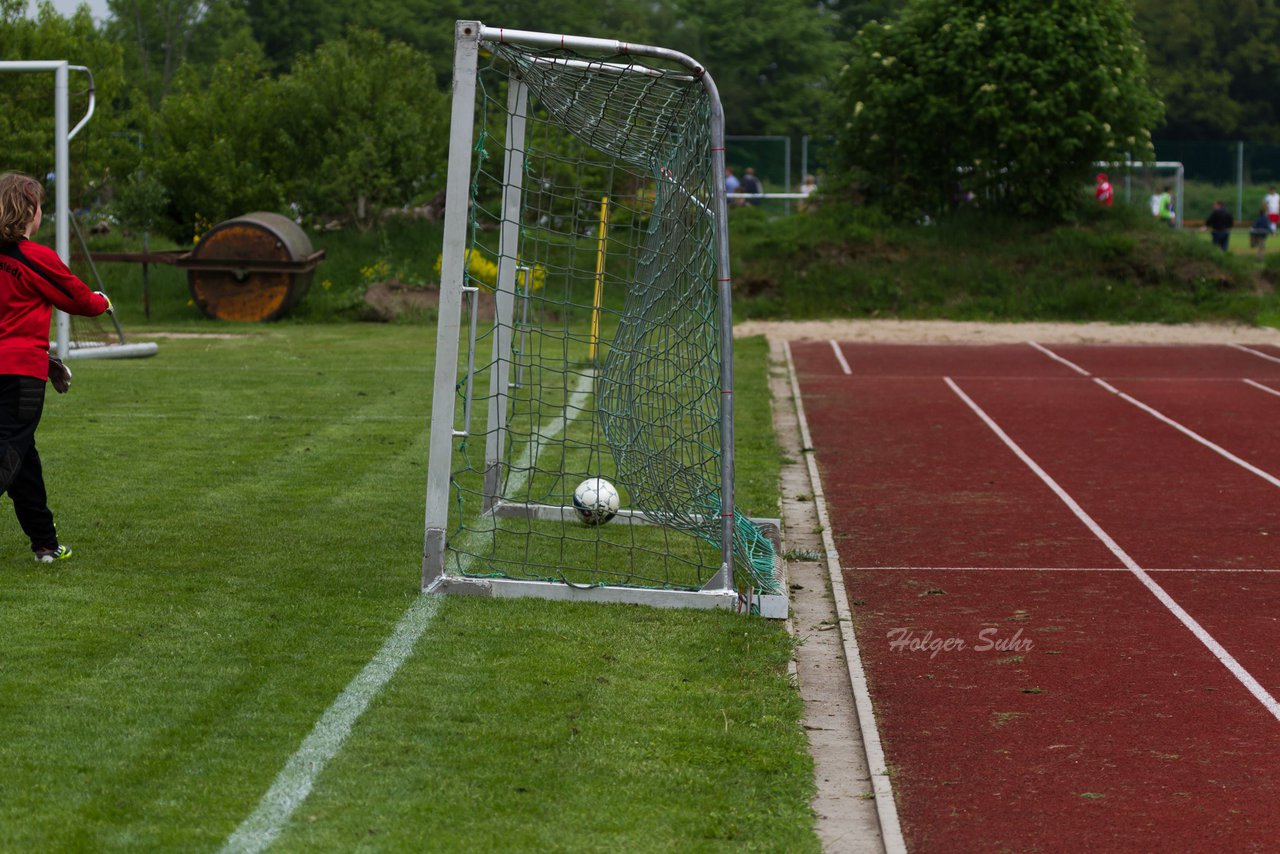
1174 424
1187 431
1258 353
1052 355
844 365
1268 389
1219 652
881 783
293 784
1055 569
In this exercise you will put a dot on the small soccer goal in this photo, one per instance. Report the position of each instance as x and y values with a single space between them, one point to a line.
582 421
1141 183
78 338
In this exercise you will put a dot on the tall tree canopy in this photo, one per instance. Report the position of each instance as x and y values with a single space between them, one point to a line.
161 37
772 63
26 99
1217 65
1009 99
364 116
772 69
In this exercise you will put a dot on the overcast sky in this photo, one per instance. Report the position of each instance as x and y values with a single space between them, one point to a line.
97 8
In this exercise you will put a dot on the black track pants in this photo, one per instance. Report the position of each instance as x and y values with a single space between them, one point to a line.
21 404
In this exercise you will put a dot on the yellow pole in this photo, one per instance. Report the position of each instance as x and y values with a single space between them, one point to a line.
601 243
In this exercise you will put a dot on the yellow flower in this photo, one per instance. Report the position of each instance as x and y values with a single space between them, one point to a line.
483 272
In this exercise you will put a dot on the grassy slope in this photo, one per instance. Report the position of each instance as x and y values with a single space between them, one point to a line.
1112 266
247 520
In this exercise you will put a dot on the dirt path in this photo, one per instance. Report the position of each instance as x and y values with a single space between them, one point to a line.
964 332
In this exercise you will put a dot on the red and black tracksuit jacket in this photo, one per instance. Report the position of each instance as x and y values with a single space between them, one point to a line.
33 281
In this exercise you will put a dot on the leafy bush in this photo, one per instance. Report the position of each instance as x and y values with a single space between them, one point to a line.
356 127
365 126
213 151
1010 101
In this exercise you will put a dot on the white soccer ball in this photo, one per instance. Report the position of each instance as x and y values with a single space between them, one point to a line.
596 501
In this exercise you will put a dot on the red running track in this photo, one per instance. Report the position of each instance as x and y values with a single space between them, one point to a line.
1047 678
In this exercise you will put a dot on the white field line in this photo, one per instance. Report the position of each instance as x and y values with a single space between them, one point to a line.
1268 389
293 784
1219 652
1217 449
881 782
844 364
1052 355
1258 353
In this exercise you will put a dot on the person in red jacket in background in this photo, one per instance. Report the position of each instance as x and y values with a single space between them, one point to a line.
1102 191
33 280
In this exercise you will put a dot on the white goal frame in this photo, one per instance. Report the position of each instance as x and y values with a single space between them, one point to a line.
720 591
62 199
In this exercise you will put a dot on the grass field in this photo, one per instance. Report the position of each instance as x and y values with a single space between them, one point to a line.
246 514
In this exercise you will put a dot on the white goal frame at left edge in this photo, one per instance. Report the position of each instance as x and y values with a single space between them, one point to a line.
62 137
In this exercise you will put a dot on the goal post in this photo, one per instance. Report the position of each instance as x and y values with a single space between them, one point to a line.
585 331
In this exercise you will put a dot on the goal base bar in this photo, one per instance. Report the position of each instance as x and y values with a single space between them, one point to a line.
113 351
511 588
565 513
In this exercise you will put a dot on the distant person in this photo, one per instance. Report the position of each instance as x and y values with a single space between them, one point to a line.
1102 190
1164 209
1272 201
807 189
33 280
1220 222
1154 201
751 185
1261 229
731 183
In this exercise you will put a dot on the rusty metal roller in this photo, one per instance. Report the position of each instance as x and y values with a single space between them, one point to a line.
254 267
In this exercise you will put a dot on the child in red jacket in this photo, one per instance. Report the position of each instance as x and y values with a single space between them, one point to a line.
33 281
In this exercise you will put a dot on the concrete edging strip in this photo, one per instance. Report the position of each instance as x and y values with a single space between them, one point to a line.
882 787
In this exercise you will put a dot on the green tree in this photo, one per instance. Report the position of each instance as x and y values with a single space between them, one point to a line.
291 28
1216 64
1010 99
852 15
212 147
26 99
771 64
363 120
161 36
287 28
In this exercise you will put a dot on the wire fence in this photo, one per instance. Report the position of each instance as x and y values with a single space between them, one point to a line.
1238 173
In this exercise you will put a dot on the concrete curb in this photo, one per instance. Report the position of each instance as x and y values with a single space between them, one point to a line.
853 804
